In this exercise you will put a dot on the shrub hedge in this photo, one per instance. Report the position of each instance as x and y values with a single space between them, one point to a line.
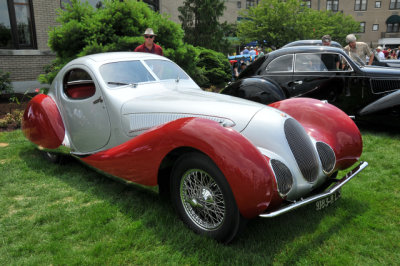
118 26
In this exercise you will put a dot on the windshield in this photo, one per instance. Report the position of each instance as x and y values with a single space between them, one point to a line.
356 59
125 73
166 69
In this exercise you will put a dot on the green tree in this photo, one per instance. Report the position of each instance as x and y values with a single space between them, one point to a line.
118 26
200 21
280 22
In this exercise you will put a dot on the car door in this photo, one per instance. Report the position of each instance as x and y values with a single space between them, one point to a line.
84 110
318 75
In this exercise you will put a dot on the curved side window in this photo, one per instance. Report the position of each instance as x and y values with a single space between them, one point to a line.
78 84
281 64
310 63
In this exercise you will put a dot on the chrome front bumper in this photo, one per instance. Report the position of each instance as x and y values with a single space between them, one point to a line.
314 198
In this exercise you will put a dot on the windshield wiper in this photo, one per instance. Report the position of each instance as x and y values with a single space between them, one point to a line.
122 83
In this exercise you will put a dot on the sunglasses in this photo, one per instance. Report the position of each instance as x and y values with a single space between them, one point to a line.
148 36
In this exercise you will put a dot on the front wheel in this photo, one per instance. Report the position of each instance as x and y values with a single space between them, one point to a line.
203 198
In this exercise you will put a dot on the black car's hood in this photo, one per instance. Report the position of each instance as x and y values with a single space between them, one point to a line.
380 71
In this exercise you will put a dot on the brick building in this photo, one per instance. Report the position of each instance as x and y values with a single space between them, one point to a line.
379 20
24 28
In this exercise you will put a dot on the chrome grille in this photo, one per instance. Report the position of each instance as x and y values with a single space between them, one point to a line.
283 176
384 85
327 156
302 149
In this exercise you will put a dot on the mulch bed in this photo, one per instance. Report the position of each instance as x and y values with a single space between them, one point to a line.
6 106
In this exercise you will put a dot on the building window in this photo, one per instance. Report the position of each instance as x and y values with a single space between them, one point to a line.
394 4
392 27
396 27
375 27
17 29
333 5
362 27
153 4
250 3
360 5
378 4
306 3
239 4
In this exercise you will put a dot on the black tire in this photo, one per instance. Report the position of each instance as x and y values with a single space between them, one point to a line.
203 199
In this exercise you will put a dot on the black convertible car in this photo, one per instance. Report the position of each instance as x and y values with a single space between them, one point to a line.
367 93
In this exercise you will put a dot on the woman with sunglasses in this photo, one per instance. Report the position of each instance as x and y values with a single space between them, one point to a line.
149 46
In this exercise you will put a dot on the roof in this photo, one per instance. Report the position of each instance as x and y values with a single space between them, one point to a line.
117 56
305 49
310 42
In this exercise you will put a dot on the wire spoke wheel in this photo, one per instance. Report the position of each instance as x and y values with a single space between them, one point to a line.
202 199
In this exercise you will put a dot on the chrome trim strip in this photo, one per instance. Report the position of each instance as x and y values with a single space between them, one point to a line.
314 198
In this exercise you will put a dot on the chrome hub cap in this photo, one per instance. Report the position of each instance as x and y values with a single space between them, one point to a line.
202 199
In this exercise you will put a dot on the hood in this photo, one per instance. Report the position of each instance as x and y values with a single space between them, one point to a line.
381 71
147 111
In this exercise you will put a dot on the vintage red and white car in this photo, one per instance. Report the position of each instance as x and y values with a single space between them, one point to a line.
222 160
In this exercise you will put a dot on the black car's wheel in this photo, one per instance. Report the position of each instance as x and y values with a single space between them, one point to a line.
53 157
203 199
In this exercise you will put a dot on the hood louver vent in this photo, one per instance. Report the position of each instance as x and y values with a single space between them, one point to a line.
383 85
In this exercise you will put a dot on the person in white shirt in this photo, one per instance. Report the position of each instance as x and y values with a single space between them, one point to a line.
381 55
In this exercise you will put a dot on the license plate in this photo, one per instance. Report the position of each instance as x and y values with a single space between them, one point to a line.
328 201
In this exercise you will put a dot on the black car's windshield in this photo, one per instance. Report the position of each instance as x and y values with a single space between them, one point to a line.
357 59
125 73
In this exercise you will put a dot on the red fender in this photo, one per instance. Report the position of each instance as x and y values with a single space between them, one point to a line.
326 123
245 168
42 123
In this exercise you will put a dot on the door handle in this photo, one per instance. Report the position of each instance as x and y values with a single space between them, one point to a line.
99 100
294 83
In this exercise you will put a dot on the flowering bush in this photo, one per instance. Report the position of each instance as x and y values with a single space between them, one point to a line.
12 119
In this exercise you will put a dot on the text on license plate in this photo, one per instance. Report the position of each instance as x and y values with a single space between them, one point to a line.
329 200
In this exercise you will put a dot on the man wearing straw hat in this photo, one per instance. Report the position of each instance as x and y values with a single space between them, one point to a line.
149 46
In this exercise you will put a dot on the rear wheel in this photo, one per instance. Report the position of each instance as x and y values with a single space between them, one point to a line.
203 199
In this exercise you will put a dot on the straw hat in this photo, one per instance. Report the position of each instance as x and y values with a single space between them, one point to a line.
149 31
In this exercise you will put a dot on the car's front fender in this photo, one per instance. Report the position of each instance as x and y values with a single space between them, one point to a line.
389 101
245 168
326 123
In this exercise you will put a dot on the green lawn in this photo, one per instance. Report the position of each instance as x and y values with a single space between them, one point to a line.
70 214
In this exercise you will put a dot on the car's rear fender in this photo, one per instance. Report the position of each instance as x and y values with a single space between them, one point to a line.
245 168
325 122
42 123
260 90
